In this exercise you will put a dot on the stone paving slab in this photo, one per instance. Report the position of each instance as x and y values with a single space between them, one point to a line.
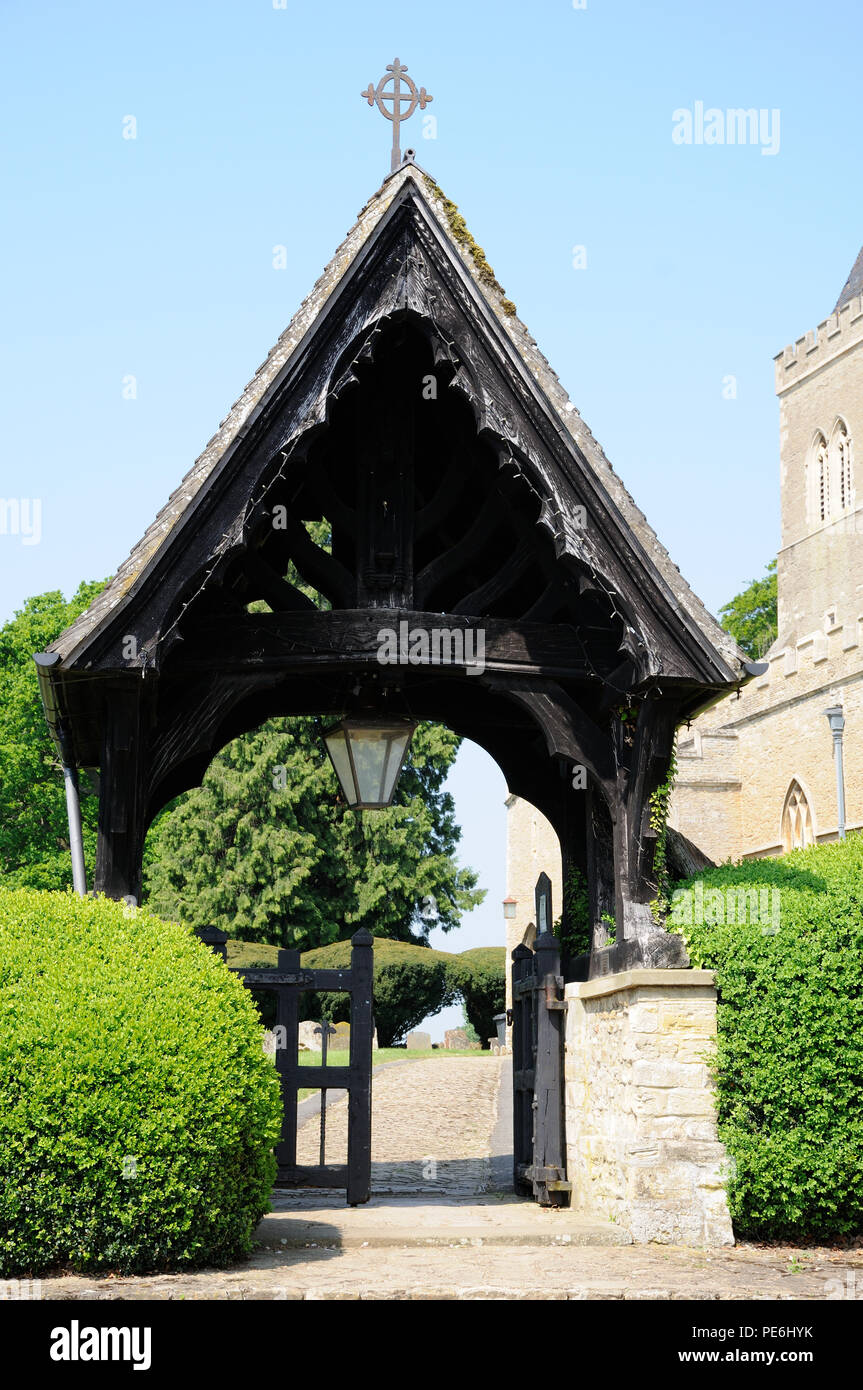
402 1222
486 1272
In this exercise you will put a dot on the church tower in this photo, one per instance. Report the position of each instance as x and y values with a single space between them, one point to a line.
755 772
819 381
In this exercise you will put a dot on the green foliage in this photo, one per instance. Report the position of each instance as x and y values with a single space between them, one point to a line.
138 1110
484 990
790 1052
34 835
410 982
248 955
659 825
573 928
267 850
470 1032
751 616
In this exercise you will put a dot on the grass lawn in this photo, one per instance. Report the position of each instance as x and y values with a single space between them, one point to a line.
380 1055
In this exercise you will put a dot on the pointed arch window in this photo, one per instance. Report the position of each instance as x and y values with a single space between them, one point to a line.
840 451
822 478
830 475
798 830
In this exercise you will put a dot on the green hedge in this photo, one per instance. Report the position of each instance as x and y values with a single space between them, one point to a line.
410 982
790 1048
485 989
138 1111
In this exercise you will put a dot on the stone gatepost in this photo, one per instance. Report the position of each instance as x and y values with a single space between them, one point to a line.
641 1140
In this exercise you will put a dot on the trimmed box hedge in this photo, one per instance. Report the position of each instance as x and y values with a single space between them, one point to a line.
138 1111
789 1064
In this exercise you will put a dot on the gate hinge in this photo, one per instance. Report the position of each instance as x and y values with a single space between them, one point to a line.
554 987
550 1177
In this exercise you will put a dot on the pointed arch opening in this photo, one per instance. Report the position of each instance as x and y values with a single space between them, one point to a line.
818 470
841 467
798 825
830 475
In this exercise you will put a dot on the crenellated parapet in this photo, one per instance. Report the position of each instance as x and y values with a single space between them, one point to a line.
842 330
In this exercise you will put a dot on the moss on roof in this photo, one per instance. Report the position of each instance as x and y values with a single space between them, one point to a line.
459 229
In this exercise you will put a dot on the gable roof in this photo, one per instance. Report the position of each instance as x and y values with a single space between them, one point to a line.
409 180
853 285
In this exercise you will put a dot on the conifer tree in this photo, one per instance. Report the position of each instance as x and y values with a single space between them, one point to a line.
267 850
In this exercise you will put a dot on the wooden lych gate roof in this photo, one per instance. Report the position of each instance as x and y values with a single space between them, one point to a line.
408 406
409 217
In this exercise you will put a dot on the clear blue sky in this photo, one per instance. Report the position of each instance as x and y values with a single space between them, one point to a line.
152 257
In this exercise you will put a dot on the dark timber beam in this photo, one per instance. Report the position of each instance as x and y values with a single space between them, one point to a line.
274 641
121 796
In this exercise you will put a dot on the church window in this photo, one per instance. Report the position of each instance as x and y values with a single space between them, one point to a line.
830 475
822 478
797 828
842 447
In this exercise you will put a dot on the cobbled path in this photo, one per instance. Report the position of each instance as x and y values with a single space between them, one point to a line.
432 1122
443 1110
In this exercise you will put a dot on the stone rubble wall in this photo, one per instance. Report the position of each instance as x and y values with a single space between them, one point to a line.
641 1139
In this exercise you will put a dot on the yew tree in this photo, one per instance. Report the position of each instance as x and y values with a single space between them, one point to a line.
267 850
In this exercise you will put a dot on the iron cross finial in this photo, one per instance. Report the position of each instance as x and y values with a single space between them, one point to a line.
396 74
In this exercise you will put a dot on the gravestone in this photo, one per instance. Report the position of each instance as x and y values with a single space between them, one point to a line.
456 1039
342 1039
309 1040
418 1042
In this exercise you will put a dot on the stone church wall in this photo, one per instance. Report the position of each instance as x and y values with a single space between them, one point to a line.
736 763
532 848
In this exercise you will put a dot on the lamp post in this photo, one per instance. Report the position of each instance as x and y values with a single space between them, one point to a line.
836 719
367 756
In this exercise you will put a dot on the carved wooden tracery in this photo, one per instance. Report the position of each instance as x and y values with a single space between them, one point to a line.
407 422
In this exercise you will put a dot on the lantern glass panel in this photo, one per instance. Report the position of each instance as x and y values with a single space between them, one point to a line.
367 758
369 750
337 747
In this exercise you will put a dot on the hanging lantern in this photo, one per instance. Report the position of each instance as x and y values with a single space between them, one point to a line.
368 755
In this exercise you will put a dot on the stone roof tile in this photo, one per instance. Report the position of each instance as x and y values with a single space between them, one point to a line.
853 285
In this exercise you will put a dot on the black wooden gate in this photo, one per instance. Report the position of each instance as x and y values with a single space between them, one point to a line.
288 980
538 1010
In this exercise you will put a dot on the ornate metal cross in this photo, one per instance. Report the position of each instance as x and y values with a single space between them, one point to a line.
413 97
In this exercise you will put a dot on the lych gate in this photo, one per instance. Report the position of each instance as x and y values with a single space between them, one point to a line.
409 408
